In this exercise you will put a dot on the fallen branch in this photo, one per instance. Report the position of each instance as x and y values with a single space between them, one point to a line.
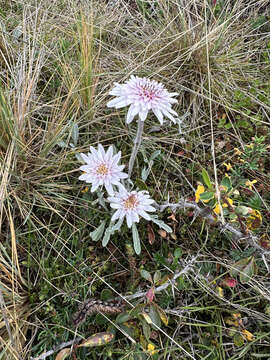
126 298
57 348
166 284
206 214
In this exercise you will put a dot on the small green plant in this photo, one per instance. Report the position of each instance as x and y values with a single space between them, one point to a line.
230 204
250 157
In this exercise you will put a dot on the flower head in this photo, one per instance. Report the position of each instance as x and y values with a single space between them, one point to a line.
228 166
250 183
200 190
151 349
143 95
254 219
131 205
102 168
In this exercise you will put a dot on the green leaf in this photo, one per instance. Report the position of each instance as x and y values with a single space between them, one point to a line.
154 155
146 330
154 316
246 267
106 294
206 179
182 284
97 234
136 239
157 276
160 259
206 196
162 315
226 183
99 339
128 330
228 126
122 318
239 266
248 271
238 340
145 173
242 210
146 275
243 123
221 123
141 184
138 309
212 203
147 318
177 253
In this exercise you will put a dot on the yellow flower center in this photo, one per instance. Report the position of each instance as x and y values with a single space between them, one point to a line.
102 169
131 202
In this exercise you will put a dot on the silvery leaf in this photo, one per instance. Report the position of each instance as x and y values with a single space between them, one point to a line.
161 223
97 234
136 239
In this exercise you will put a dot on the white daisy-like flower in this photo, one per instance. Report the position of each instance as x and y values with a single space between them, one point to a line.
102 168
143 95
131 205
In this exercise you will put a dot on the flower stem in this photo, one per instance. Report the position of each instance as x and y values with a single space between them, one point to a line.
136 147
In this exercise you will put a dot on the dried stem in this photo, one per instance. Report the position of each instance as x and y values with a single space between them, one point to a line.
166 284
205 213
127 298
57 348
136 147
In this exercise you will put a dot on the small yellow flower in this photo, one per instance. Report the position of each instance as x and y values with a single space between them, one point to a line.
247 335
85 190
199 191
217 209
254 219
229 201
228 166
237 151
220 291
250 184
236 315
251 146
151 349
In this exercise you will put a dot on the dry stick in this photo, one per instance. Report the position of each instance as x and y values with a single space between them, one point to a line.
129 297
57 348
136 147
166 284
204 212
